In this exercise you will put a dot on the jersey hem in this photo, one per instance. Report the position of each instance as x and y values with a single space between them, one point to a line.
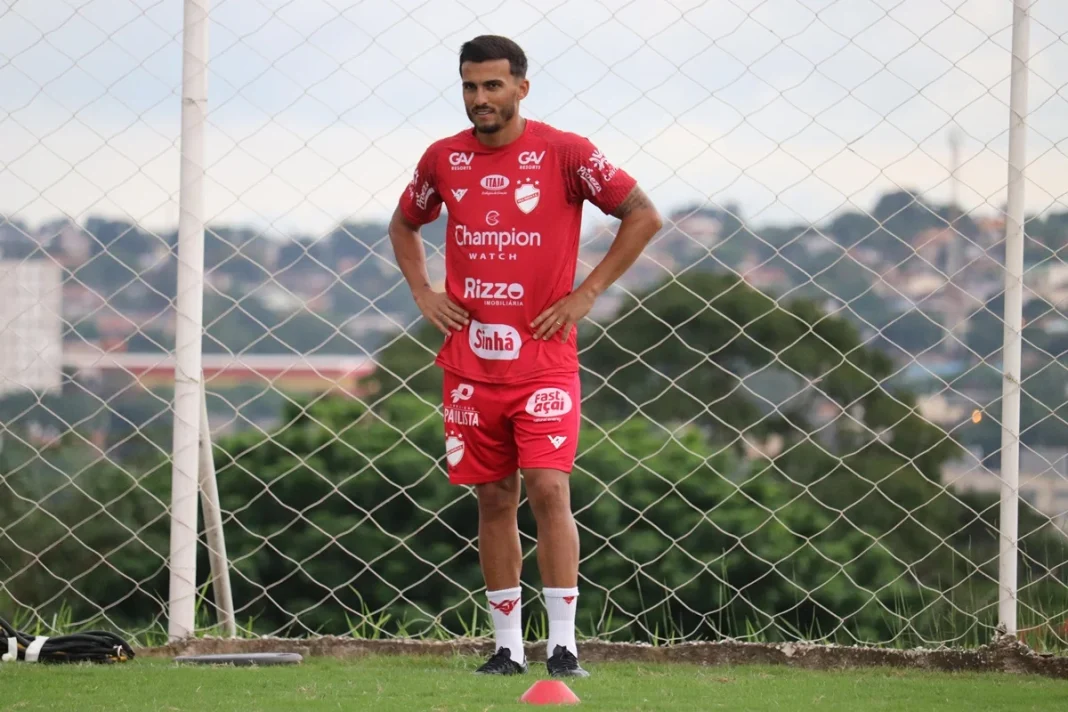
506 380
418 220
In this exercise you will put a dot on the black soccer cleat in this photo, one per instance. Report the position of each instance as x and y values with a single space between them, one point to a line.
501 664
563 663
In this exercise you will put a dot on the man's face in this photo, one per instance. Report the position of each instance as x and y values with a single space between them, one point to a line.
491 94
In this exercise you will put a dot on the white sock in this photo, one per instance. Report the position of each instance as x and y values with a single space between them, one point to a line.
506 609
561 604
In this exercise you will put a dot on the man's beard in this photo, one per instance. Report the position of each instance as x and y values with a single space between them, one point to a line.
504 115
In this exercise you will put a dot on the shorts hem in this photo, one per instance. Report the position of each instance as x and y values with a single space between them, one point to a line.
460 481
538 465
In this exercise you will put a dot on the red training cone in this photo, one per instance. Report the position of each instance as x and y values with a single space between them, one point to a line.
549 692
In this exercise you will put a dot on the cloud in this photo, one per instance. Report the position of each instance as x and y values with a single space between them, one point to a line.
319 110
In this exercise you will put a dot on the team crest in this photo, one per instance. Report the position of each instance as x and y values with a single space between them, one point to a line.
527 196
454 448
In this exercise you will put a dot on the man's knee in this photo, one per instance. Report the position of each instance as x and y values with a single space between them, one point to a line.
548 491
500 498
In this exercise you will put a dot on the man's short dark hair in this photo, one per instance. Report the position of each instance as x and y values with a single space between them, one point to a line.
486 48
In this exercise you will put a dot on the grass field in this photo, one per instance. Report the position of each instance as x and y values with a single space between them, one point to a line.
384 684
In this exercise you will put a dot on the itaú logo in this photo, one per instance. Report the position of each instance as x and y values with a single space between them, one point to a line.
494 182
496 239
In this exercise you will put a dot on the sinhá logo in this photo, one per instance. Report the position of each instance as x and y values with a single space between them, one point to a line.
494 342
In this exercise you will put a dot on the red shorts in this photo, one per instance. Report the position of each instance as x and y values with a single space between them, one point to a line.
491 430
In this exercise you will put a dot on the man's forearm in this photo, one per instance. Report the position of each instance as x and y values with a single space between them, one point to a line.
411 257
630 240
633 235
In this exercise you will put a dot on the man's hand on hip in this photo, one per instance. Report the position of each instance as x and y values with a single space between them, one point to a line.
563 315
440 311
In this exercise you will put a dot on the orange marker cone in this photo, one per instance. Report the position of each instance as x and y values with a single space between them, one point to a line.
549 692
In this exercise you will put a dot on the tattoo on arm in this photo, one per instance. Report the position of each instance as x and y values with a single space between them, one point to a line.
635 200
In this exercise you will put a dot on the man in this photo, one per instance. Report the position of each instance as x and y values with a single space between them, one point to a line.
514 190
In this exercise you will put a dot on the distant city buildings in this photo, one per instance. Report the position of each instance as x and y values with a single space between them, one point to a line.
96 302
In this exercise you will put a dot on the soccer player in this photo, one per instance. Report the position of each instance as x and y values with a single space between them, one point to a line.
514 190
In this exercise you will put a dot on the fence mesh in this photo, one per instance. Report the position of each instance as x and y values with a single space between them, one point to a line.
791 404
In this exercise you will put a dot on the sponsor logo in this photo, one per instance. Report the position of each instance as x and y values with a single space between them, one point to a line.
459 193
527 196
506 607
499 294
557 441
530 160
494 184
423 199
463 414
462 392
461 161
494 342
492 218
601 162
454 449
569 600
412 183
586 174
547 404
494 244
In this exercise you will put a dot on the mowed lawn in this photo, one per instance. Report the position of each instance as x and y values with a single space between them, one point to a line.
404 684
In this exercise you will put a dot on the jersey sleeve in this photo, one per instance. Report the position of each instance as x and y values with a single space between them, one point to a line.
591 176
421 200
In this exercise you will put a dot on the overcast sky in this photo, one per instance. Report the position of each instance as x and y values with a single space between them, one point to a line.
319 109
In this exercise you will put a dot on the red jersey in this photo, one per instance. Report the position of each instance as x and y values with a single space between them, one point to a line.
511 241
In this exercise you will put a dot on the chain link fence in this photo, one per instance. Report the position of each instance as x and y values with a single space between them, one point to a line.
799 407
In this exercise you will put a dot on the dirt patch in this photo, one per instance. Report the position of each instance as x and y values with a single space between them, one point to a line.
1005 654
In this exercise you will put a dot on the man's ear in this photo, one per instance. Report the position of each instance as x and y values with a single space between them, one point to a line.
524 88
